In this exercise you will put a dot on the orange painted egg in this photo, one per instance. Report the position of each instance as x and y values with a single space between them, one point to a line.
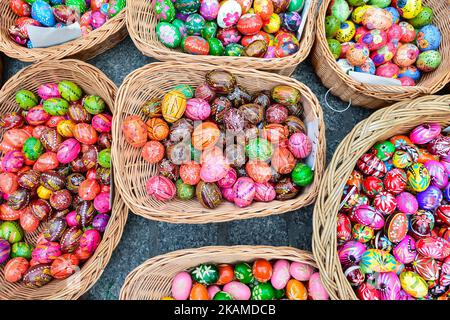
173 106
85 133
15 269
262 270
9 182
47 161
295 290
64 266
8 214
157 129
135 131
264 8
65 128
89 189
190 173
7 147
283 161
28 221
275 132
16 137
199 292
226 274
258 170
205 135
153 151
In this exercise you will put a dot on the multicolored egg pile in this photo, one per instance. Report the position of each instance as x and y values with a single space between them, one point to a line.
393 227
252 28
263 280
218 141
392 39
54 181
90 14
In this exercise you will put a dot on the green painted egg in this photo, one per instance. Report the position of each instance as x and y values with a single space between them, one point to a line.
259 149
422 19
263 291
215 47
115 6
340 9
332 25
78 5
253 283
286 95
428 61
33 148
335 47
234 50
69 90
165 10
184 191
181 26
296 5
11 231
26 99
56 106
94 104
358 3
21 249
379 3
104 158
413 284
209 30
222 295
185 89
205 274
384 150
243 273
168 34
302 175
195 24
187 6
279 294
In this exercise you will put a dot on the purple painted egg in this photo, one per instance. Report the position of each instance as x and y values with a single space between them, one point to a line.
102 122
102 202
229 179
301 271
270 53
100 222
209 9
430 198
388 285
5 249
407 203
13 161
265 192
316 290
71 219
300 145
440 146
350 253
280 274
68 151
228 194
197 109
98 19
425 133
90 240
46 252
48 90
244 191
405 251
369 216
439 176
181 286
237 290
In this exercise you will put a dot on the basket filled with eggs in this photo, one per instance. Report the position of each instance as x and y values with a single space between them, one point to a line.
376 52
271 35
59 218
36 30
381 227
227 273
197 144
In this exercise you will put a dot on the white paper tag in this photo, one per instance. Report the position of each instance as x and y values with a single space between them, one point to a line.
312 130
47 37
305 12
374 80
447 130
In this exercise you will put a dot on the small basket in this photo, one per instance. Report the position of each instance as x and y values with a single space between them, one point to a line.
92 81
132 171
83 48
142 21
152 280
396 119
374 96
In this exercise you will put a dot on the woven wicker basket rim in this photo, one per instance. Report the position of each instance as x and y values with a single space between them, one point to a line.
396 119
133 85
75 286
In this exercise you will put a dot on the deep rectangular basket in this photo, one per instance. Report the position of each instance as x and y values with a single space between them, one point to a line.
132 171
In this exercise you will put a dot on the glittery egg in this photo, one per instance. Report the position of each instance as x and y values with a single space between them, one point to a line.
208 194
197 109
13 161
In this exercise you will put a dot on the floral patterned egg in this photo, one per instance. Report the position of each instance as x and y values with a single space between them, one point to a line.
350 253
408 9
369 164
362 233
354 276
15 269
427 268
64 266
291 21
296 290
344 227
135 131
285 44
394 34
13 161
367 67
406 55
377 18
430 198
229 13
413 284
375 260
388 285
264 192
370 217
421 223
418 178
161 188
388 70
37 275
396 227
384 54
372 186
385 202
339 9
405 251
374 40
433 247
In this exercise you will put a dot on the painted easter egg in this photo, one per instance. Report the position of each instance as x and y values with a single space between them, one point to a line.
184 191
33 149
413 284
237 290
208 194
263 291
388 70
418 178
64 266
68 150
405 250
55 229
94 104
291 21
85 212
5 249
85 133
168 34
408 9
358 13
26 99
135 131
56 106
229 13
46 253
42 12
385 54
273 24
340 9
428 38
67 90
187 6
205 274
13 161
173 106
37 276
209 31
375 260
428 61
165 10
424 18
209 9
296 290
374 40
15 269
181 286
243 273
377 18
421 223
316 289
302 175
357 54
406 55
264 192
244 190
205 135
426 267
249 24
368 216
362 233
285 189
285 44
433 247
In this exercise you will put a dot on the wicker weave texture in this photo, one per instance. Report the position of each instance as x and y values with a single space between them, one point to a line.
372 96
152 280
132 172
84 48
82 74
142 21
399 118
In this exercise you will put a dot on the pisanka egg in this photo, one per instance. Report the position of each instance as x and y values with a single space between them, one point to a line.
102 202
160 188
209 9
90 240
102 122
346 31
408 9
428 61
64 266
316 290
244 190
357 54
280 274
237 290
153 151
197 109
68 151
135 131
408 32
406 55
301 271
15 269
264 192
388 70
229 13
300 145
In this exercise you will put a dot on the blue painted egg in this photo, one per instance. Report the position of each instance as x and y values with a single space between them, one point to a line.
366 67
42 12
395 14
428 38
410 72
291 21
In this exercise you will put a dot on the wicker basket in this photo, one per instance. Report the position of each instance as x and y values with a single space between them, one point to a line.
142 21
152 280
84 48
397 119
92 81
371 96
132 172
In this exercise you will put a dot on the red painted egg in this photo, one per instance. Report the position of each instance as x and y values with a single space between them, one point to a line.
261 35
28 221
20 8
61 200
85 133
262 270
190 173
229 35
196 45
283 161
433 247
9 182
160 188
427 268
15 269
54 121
258 170
16 137
153 152
89 189
344 227
64 266
249 24
135 131
47 161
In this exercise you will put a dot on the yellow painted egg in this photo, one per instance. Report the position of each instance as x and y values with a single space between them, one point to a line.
273 24
173 106
358 13
413 284
44 193
346 31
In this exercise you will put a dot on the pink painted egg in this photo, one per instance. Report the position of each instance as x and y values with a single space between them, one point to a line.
407 203
98 19
90 240
433 247
360 32
228 194
316 290
439 176
374 40
369 216
68 151
408 32
388 286
405 250
209 9
407 82
181 286
388 70
160 188
264 192
301 271
384 54
214 169
47 252
212 290
102 202
48 90
102 122
229 179
280 274
406 55
237 290
37 116
300 145
13 161
394 33
71 219
244 191
425 133
197 109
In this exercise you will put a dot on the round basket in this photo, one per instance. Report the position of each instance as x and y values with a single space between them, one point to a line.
142 21
396 119
92 81
152 280
132 171
83 48
374 96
